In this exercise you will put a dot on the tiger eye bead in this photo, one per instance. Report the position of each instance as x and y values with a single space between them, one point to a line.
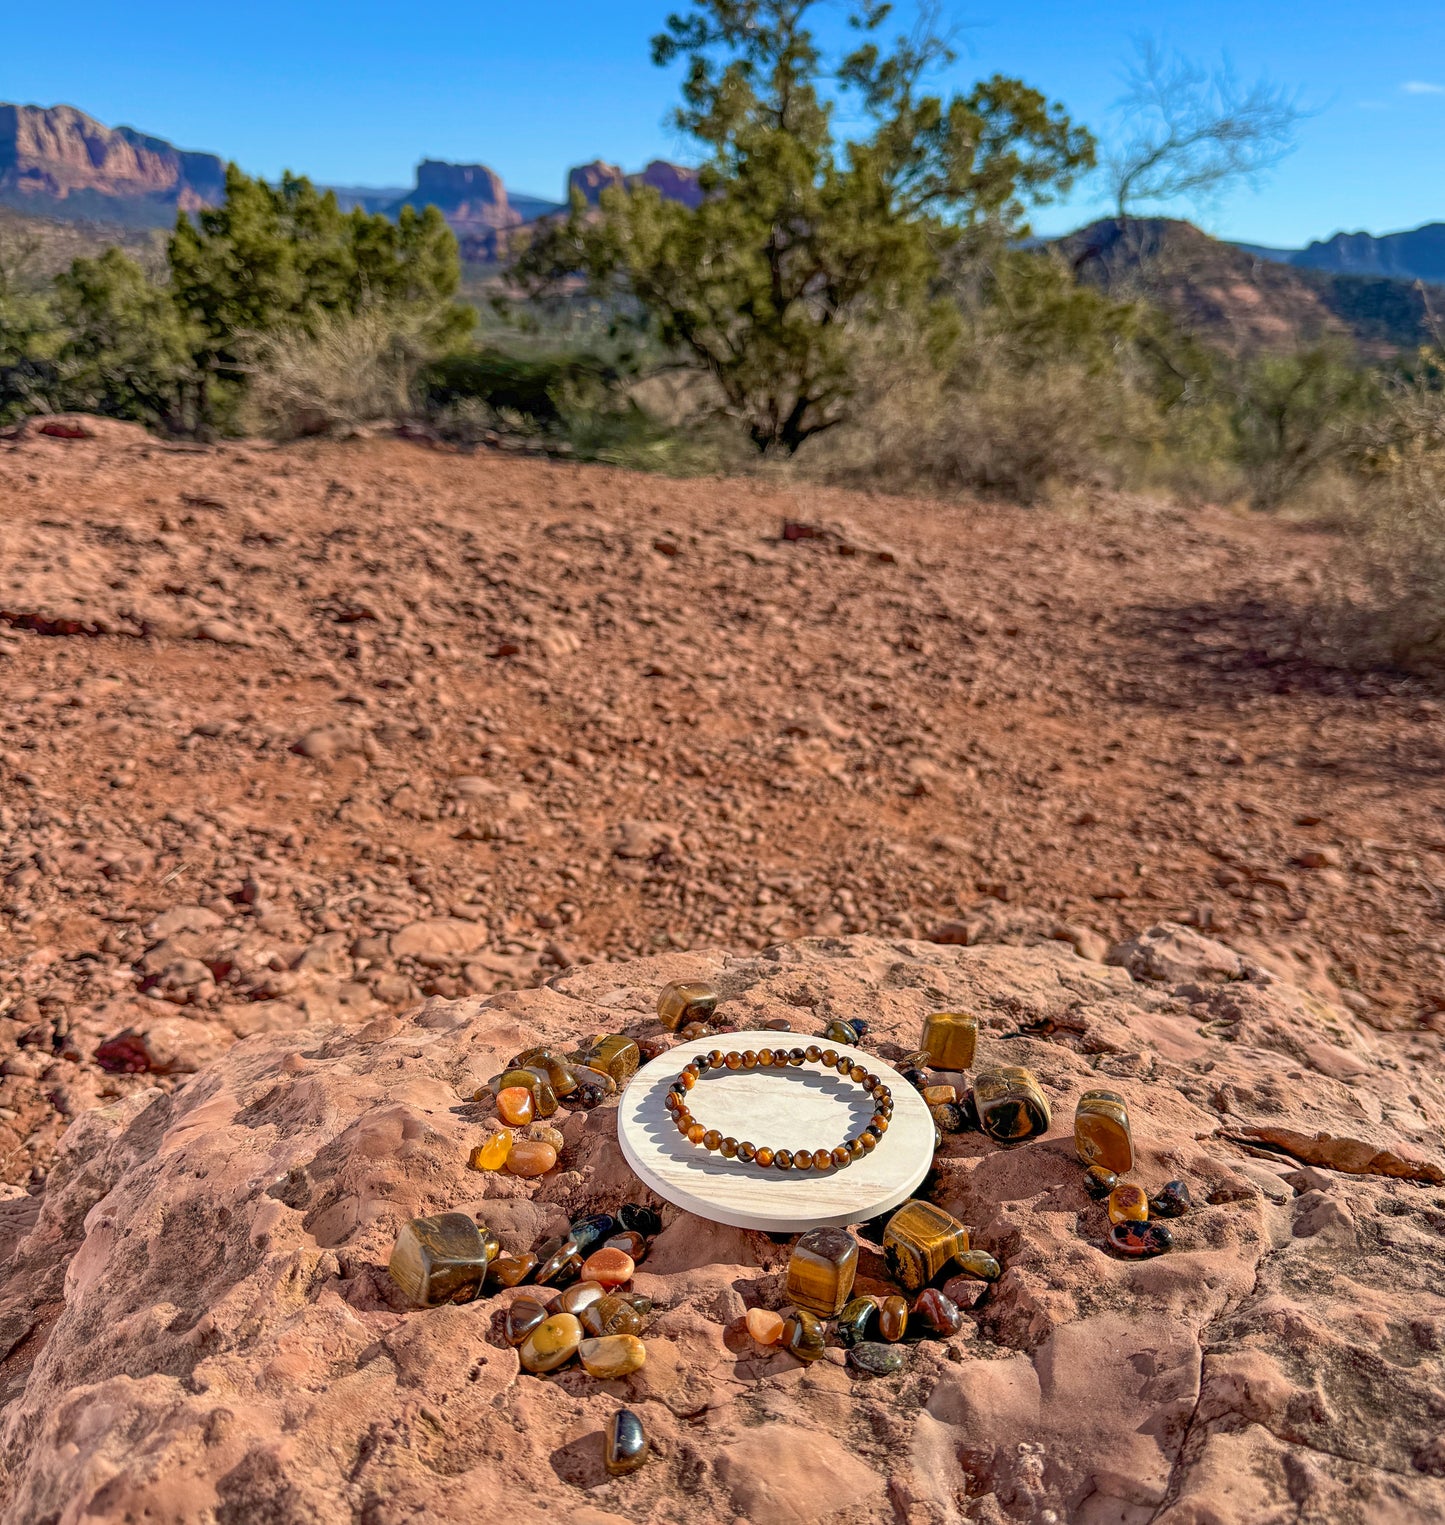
919 1241
750 1059
893 1319
733 1061
441 1259
949 1039
684 1001
1101 1131
1128 1204
747 1151
763 1157
696 1133
715 1057
821 1270
728 1148
840 1156
712 1139
796 1056
822 1159
765 1058
803 1335
812 1053
802 1159
783 1159
1011 1105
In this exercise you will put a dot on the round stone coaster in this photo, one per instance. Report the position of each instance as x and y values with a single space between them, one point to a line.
796 1108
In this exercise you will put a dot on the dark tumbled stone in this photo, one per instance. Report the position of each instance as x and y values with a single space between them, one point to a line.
876 1359
441 1259
588 1233
1140 1240
803 1335
642 1220
936 1313
1171 1201
855 1321
562 1267
624 1443
1099 1182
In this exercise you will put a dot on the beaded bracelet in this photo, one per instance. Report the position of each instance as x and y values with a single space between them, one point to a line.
782 1159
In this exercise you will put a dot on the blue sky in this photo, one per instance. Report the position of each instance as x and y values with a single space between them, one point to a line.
356 93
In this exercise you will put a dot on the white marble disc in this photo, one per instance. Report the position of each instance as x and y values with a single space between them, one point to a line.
795 1108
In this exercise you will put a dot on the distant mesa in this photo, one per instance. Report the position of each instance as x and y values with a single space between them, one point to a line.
673 182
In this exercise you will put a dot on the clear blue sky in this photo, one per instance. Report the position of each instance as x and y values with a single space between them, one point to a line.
357 92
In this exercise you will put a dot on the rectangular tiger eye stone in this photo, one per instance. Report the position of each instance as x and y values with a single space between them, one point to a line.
919 1241
821 1270
1011 1105
1101 1131
441 1259
685 1001
617 1055
949 1039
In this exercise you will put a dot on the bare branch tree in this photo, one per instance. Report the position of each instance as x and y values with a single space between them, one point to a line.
1191 131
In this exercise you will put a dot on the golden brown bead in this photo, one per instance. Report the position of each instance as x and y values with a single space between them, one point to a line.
522 1317
783 1159
822 1159
712 1139
763 1157
802 1159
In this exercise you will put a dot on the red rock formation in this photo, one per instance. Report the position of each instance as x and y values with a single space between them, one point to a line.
60 155
674 182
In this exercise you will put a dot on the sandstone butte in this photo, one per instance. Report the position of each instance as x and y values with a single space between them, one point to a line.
201 1328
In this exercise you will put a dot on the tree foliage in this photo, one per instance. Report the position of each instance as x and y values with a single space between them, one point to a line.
803 236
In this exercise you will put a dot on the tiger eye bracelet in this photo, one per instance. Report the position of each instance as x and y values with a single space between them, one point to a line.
781 1159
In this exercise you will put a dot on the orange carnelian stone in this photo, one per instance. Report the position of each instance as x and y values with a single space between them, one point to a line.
610 1267
516 1105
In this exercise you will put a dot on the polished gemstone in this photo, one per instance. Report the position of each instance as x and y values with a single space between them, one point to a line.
783 1159
937 1095
587 1233
544 1097
635 1300
821 1270
630 1242
1128 1204
803 1334
802 1159
492 1154
763 1158
1172 1201
610 1267
969 1108
524 1315
531 1158
563 1076
876 1359
856 1320
685 1001
617 1055
936 1313
515 1105
949 1039
441 1259
564 1265
1099 1182
612 1355
511 1270
1101 1131
919 1241
1139 1240
948 1115
579 1295
542 1133
624 1447
610 1314
839 1031
640 1219
586 1075
893 1318
765 1326
979 1264
587 1097
1011 1106
552 1343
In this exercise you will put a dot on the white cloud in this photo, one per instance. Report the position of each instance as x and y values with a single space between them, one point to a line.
1422 87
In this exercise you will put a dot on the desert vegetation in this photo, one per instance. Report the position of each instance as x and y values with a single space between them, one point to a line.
863 306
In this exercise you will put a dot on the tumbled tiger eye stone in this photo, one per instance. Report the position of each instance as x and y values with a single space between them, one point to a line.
821 1270
530 1158
919 1241
765 1326
624 1446
586 1075
839 1031
580 1295
855 1320
893 1318
610 1315
1128 1204
949 1117
949 1039
877 1360
1140 1240
803 1335
515 1105
525 1315
610 1267
685 1001
561 1267
587 1097
544 1097
441 1259
558 1071
492 1154
979 1264
1099 1182
937 1095
612 1355
552 1343
630 1242
1172 1200
1101 1131
511 1270
1011 1106
617 1055
937 1313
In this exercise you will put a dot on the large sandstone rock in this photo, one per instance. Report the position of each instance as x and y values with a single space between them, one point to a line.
200 1326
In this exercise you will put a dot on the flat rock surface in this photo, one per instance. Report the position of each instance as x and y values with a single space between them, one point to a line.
200 1326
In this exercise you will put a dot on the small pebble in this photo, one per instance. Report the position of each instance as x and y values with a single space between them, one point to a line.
979 1263
530 1158
1099 1182
612 1355
876 1359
